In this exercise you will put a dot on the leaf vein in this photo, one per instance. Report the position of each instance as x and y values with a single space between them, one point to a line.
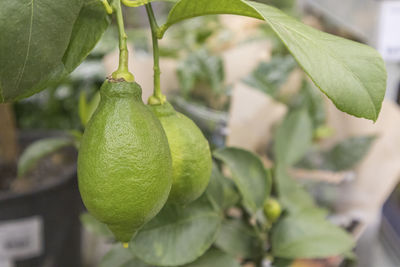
29 46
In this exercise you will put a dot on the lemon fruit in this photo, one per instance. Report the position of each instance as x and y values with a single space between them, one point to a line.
272 209
124 162
191 156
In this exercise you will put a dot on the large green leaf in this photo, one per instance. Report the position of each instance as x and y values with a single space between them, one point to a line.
178 235
214 258
41 41
351 74
88 29
40 149
293 138
307 235
249 175
239 240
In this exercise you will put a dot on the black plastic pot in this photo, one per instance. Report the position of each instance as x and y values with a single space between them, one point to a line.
41 228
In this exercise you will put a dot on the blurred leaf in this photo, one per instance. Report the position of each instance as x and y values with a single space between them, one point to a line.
214 258
348 153
249 175
308 236
77 135
239 240
270 76
222 190
351 74
86 109
343 156
43 41
201 66
293 138
118 256
178 235
304 232
293 197
134 263
95 226
38 150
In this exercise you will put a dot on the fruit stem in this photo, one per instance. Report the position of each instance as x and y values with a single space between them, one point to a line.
134 3
158 97
122 72
107 7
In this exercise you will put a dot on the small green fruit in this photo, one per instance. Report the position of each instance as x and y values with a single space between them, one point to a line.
272 209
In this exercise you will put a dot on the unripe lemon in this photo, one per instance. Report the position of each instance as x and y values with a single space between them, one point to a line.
191 156
124 163
272 209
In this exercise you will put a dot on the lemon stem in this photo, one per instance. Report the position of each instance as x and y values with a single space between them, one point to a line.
157 95
122 71
107 6
134 3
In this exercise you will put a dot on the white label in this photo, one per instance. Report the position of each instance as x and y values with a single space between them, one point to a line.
21 239
389 36
6 263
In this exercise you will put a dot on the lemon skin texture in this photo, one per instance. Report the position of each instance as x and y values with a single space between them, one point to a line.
191 156
124 162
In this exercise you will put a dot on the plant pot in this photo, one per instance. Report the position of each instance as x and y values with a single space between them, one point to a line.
212 122
41 227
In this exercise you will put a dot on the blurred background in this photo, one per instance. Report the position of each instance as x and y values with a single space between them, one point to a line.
212 68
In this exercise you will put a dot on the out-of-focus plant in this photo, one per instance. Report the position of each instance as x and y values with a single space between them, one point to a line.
43 147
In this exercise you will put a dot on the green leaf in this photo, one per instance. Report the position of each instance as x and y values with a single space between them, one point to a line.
239 240
307 235
222 190
249 175
343 156
293 197
201 66
351 74
134 263
39 149
293 138
178 235
118 256
348 153
214 258
86 109
95 226
311 99
42 41
92 22
269 76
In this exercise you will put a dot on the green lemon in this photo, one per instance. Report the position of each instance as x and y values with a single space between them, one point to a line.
272 209
124 163
191 156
